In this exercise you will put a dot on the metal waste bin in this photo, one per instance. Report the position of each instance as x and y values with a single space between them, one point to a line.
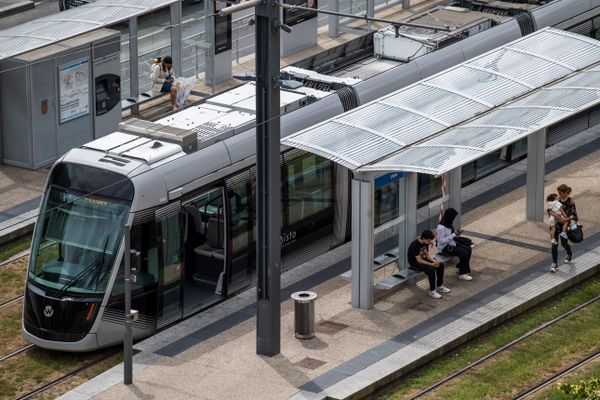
304 314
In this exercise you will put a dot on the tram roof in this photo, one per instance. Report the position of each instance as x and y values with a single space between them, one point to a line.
54 28
467 111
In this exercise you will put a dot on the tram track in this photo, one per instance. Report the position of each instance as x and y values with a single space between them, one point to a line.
507 346
16 353
11 301
48 385
14 258
557 376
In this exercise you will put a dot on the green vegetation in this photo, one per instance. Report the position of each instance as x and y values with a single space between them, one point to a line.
36 367
521 367
585 378
12 279
12 248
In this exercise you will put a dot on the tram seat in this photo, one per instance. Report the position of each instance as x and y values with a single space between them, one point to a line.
213 247
194 214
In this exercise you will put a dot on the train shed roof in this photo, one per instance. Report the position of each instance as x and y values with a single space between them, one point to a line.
467 111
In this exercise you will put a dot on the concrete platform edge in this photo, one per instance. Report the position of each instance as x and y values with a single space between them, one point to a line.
359 386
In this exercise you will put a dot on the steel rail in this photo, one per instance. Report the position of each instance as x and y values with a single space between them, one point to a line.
11 301
557 376
501 349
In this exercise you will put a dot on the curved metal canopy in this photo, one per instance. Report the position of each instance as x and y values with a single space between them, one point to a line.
467 111
75 21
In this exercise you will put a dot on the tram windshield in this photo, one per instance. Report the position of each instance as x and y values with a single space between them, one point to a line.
77 238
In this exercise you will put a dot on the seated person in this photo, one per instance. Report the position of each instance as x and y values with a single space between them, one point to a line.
448 244
420 260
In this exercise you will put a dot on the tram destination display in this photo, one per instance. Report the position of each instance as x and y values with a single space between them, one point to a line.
295 16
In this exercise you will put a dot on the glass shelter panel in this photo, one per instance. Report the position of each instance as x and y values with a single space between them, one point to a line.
154 40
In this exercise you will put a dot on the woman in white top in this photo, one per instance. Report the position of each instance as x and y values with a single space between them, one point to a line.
163 78
447 245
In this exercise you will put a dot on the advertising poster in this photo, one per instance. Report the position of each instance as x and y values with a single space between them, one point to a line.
74 90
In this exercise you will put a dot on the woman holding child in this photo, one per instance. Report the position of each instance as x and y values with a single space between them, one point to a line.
560 220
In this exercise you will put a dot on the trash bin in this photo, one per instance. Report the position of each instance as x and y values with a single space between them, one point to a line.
304 314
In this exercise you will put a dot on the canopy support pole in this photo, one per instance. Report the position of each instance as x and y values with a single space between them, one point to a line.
362 242
536 163
454 193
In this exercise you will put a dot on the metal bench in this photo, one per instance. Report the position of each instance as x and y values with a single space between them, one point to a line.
134 102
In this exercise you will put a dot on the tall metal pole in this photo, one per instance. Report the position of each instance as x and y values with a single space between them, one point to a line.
268 181
127 341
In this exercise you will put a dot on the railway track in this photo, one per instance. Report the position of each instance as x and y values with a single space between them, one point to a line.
14 258
503 348
68 375
11 301
15 353
558 375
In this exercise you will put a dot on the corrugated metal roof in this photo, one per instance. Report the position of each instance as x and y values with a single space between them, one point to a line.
497 128
75 21
462 114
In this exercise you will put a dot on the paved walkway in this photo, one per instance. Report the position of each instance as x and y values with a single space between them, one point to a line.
213 355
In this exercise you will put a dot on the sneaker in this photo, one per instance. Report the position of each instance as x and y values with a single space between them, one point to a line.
568 260
553 268
435 294
564 235
553 241
443 289
465 277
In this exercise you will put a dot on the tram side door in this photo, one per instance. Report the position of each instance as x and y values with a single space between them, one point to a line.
204 249
170 247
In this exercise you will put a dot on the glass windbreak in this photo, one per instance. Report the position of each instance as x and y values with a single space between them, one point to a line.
76 241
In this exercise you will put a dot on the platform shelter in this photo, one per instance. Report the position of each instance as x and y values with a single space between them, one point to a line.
443 122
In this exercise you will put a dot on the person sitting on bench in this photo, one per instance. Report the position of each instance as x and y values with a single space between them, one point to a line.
420 260
163 78
447 244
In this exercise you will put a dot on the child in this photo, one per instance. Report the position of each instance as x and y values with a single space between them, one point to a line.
556 213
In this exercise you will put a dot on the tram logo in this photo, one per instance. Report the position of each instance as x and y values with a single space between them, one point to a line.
48 311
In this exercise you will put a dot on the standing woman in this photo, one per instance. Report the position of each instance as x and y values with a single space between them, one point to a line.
163 78
446 244
564 193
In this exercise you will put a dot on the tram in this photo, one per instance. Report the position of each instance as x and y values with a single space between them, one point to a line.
192 213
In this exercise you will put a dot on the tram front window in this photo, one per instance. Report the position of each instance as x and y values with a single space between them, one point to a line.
77 238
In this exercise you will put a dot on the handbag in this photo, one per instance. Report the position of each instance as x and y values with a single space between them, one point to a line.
575 234
464 240
166 87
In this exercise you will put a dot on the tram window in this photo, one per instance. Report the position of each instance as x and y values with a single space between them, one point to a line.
143 238
242 232
309 181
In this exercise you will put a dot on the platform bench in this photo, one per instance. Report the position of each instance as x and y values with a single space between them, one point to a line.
142 98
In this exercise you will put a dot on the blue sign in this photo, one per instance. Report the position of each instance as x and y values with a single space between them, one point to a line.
387 178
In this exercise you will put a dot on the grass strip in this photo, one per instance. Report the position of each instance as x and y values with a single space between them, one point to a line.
12 248
12 279
522 371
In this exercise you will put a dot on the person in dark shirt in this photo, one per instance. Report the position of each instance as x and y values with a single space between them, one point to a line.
420 260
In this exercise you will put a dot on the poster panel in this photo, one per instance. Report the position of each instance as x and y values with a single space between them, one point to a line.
74 90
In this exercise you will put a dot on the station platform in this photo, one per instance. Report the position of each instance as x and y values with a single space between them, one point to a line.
212 355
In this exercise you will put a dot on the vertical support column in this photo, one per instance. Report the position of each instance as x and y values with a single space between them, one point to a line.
334 20
454 186
128 338
405 4
409 196
536 170
268 181
370 11
134 82
209 38
362 242
175 11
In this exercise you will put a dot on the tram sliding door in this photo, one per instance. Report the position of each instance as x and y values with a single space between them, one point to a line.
170 272
204 250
